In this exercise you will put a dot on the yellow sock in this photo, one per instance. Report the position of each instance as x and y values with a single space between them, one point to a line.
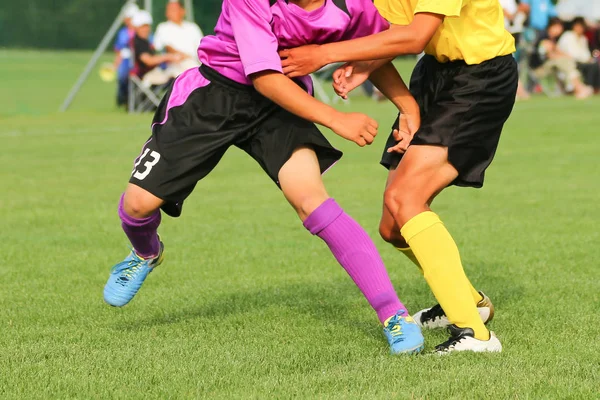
438 256
407 251
411 256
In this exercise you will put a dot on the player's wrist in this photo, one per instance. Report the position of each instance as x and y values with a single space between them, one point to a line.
333 120
409 106
325 54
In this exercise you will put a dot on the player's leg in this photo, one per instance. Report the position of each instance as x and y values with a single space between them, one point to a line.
192 130
139 211
463 109
433 317
301 183
423 172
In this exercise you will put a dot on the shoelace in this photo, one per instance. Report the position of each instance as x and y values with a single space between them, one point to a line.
127 269
453 341
395 328
434 313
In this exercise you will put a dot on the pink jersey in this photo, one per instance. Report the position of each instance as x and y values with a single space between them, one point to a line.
249 33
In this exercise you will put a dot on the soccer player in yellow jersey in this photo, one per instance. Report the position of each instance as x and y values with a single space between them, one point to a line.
464 87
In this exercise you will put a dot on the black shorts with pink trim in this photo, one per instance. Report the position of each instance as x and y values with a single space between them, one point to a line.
200 117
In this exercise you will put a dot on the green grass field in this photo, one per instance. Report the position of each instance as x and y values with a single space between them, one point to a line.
248 304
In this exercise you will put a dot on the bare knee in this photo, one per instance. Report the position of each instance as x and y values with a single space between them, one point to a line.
391 234
305 205
402 204
139 203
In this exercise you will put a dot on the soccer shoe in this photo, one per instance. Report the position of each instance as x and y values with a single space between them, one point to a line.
463 339
403 335
435 317
126 277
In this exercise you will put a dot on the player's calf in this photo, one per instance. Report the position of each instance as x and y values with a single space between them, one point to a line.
140 219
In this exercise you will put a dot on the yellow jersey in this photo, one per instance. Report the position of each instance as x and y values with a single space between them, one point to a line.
472 30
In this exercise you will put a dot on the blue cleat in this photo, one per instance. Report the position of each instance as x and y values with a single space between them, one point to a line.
403 334
126 277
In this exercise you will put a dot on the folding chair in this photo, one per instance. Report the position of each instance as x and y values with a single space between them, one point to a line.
144 97
144 94
550 83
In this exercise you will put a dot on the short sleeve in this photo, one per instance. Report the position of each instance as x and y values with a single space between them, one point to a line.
141 46
395 11
159 37
122 40
255 40
365 20
449 8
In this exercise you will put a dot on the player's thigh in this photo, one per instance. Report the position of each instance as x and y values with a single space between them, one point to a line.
301 183
423 172
294 153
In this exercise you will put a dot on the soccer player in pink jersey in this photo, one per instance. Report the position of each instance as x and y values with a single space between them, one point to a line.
240 97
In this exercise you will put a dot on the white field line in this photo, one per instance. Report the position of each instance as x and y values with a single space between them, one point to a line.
56 132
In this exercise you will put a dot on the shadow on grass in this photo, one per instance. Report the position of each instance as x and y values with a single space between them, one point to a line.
333 303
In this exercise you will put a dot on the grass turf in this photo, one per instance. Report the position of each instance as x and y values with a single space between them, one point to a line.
248 304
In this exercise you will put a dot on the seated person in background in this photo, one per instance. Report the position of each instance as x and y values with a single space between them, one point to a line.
576 45
177 36
147 62
122 62
514 19
547 58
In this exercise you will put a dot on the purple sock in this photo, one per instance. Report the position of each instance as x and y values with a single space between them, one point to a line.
356 252
141 232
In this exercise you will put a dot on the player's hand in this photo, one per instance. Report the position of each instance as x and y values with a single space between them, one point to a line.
408 126
302 61
348 77
356 127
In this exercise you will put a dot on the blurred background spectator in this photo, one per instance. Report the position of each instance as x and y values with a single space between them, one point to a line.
575 44
547 59
122 47
515 17
540 12
178 36
147 63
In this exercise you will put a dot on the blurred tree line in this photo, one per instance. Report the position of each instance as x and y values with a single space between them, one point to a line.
77 24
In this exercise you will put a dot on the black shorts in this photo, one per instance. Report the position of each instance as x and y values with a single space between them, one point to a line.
463 108
201 115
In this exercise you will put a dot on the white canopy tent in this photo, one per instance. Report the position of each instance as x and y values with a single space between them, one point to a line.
105 43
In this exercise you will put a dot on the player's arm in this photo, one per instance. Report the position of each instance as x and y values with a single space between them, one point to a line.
389 82
356 127
396 41
257 46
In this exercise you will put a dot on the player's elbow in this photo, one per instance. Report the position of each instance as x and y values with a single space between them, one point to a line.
419 42
418 46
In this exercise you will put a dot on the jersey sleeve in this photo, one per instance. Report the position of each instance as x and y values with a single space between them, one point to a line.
396 12
159 37
448 8
365 20
255 40
122 40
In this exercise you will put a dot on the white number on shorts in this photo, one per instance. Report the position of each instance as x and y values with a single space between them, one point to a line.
147 165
